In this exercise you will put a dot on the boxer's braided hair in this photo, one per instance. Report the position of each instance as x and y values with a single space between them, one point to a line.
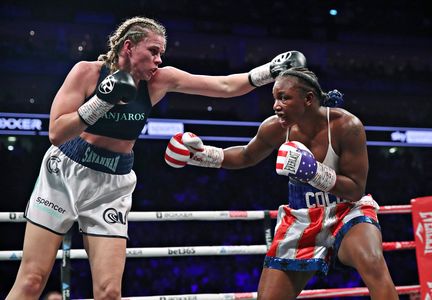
308 80
134 29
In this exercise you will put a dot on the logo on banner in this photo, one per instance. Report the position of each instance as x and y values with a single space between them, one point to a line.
238 214
181 251
20 124
424 231
178 298
174 215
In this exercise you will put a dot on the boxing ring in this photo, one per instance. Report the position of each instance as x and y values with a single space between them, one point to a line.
420 208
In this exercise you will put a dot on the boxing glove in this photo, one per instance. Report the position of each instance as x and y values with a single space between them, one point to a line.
117 88
202 155
267 73
176 153
365 201
297 161
187 148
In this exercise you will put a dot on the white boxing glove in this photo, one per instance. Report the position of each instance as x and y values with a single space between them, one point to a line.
202 155
176 154
367 200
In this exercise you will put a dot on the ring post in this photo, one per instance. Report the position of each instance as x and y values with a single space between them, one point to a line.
422 225
66 266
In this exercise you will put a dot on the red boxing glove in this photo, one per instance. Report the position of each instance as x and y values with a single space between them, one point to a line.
176 153
202 155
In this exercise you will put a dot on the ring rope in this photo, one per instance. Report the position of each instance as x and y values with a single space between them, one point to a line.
306 294
401 245
356 291
204 215
395 209
192 251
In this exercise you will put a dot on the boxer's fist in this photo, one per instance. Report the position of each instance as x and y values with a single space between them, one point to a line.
366 200
286 61
202 155
188 148
176 154
116 88
267 73
297 161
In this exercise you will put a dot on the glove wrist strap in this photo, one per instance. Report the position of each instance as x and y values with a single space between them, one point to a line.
260 75
324 179
93 109
211 157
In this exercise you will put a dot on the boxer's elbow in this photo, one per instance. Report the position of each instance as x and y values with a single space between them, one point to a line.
55 138
58 136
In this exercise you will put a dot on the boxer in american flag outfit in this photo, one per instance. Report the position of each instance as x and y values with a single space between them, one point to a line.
328 217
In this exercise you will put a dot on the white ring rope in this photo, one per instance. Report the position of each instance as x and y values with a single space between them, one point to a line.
306 294
221 296
191 251
159 251
222 215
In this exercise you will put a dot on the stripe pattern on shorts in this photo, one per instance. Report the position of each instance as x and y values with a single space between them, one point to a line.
308 239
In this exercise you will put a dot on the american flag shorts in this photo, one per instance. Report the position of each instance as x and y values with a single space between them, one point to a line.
308 239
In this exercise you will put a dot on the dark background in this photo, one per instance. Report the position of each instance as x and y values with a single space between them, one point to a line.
377 54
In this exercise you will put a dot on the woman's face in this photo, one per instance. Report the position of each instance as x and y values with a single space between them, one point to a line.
145 56
289 103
